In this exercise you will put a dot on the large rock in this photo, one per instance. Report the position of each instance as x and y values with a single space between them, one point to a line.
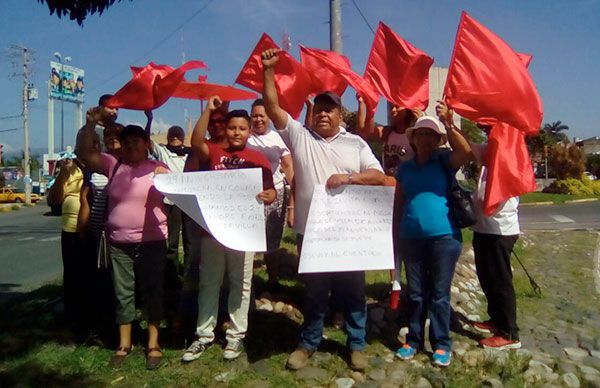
534 364
576 354
422 382
587 370
377 374
570 380
591 381
491 382
357 376
262 368
472 357
312 373
344 382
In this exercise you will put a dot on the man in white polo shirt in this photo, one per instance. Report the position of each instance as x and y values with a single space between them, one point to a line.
323 155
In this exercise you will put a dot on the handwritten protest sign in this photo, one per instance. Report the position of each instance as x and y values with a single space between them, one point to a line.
349 229
223 202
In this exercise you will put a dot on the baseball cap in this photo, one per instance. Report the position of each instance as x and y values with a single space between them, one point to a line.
328 97
428 122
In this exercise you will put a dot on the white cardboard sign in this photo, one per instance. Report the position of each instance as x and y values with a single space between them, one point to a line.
349 229
223 202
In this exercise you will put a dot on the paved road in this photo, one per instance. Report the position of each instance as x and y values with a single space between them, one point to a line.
29 249
573 216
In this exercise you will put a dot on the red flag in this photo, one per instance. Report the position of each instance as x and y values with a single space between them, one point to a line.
509 169
293 83
398 70
323 79
363 88
204 90
488 80
151 86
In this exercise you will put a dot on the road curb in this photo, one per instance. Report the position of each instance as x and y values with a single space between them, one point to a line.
581 200
537 203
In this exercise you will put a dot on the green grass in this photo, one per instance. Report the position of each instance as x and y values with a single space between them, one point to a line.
554 198
36 350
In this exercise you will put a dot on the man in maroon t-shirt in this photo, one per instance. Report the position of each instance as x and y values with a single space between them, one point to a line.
216 258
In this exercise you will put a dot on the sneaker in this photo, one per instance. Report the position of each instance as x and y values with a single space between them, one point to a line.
441 357
298 359
486 327
195 351
406 352
499 342
233 349
358 360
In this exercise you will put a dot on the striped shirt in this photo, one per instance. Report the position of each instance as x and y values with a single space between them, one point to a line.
98 209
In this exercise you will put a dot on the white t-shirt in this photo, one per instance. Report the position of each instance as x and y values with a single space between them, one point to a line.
316 159
272 146
172 160
505 221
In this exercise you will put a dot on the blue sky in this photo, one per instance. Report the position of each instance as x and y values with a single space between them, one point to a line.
562 36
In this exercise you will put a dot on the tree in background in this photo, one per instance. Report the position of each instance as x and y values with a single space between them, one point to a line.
566 161
555 130
592 164
77 9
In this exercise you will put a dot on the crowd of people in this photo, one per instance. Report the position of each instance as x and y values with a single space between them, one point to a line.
121 236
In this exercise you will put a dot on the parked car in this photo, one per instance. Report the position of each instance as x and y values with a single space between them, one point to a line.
590 175
11 195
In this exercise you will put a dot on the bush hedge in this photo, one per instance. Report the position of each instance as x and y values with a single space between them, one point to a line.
583 186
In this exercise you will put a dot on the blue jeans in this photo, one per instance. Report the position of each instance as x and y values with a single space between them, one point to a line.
316 301
430 264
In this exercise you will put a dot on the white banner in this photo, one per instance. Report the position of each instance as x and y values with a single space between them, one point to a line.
223 202
349 229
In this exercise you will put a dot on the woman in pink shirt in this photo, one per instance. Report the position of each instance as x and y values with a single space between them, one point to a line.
136 228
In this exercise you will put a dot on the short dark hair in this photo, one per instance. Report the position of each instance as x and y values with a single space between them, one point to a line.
241 113
113 127
103 98
133 131
258 102
176 131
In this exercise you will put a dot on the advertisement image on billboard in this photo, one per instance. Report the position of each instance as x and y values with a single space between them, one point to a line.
66 82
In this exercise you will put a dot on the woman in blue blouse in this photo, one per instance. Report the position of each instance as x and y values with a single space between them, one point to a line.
429 239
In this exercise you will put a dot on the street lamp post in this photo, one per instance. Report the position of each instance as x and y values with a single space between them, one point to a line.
62 62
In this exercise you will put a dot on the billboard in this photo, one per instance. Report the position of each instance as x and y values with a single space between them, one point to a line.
66 82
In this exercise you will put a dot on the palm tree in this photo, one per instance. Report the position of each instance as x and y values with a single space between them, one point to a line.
556 127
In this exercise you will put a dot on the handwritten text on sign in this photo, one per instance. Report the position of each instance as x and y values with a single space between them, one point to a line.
223 202
349 230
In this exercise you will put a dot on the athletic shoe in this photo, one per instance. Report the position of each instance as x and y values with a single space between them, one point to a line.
233 349
406 352
499 342
298 359
486 327
358 360
441 357
195 351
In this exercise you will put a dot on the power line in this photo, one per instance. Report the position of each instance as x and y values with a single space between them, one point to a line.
9 130
11 117
363 16
167 37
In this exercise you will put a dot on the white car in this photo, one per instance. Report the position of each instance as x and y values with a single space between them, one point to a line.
590 175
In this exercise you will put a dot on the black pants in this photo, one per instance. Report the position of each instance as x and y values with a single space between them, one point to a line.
492 258
76 275
173 268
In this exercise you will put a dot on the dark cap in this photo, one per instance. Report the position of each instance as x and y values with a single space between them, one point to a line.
175 131
133 131
328 97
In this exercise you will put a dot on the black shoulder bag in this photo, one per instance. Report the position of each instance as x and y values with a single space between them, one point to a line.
460 201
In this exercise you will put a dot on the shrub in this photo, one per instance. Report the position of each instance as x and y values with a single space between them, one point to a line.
567 161
582 187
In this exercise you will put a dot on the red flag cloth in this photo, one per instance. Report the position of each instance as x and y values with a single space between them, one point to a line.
398 70
363 88
509 169
293 83
323 79
151 86
204 90
487 80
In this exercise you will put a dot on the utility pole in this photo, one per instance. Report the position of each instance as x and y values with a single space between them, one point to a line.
335 26
24 54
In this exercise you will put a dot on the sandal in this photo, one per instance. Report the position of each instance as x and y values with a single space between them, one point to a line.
117 359
153 362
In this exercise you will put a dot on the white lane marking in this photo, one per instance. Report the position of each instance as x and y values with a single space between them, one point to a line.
559 218
55 238
25 238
